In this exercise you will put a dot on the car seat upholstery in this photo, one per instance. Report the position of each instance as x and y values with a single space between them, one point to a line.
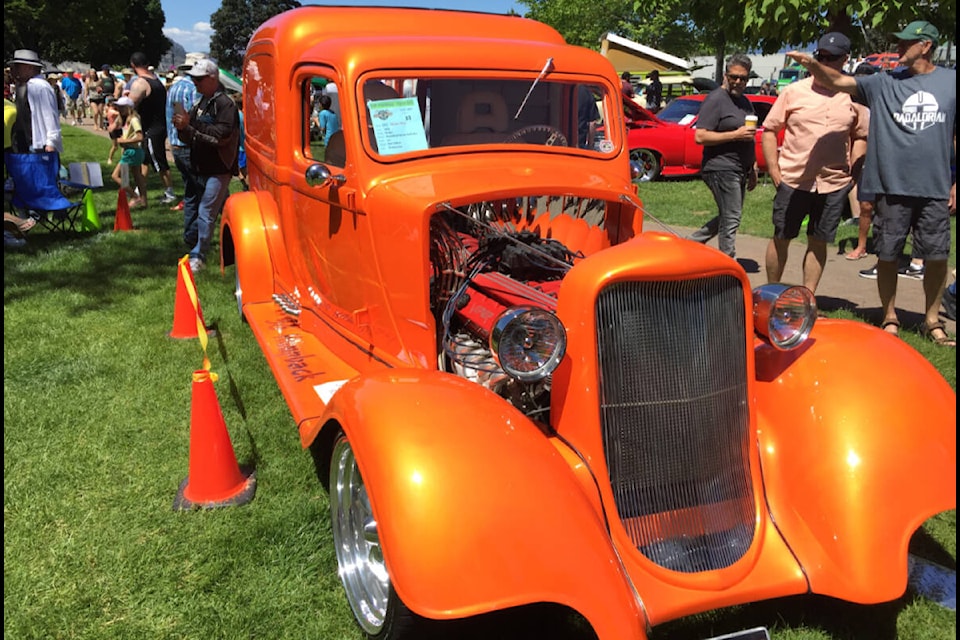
482 118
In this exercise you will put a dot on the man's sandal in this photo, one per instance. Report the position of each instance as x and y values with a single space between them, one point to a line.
942 340
891 323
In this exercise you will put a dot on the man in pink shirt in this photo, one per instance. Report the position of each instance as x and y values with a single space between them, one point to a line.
811 171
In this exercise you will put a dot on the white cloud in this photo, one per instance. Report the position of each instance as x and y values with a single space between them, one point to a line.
196 38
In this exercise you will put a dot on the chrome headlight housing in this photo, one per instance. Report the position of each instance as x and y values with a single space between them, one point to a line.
528 342
784 314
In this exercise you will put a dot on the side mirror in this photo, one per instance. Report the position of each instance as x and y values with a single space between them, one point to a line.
319 175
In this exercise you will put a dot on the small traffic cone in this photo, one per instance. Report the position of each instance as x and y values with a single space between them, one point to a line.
91 220
122 221
214 479
187 315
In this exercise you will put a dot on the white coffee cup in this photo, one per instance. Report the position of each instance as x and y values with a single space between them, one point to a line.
750 121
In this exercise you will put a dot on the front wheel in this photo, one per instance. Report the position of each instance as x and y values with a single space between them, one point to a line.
649 164
377 608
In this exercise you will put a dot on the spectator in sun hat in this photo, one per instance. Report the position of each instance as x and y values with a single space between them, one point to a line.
912 131
37 127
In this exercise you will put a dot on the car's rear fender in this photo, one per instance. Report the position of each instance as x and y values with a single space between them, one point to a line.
476 509
857 436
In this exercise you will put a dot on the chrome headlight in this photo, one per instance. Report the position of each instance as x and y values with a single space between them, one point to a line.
784 314
528 342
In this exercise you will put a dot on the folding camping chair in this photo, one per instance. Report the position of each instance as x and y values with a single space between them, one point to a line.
38 191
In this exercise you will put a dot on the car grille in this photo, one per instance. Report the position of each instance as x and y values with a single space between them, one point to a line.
675 418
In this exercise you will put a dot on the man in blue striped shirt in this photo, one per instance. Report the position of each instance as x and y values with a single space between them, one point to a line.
183 93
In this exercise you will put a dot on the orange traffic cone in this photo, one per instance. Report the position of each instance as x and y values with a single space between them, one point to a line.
214 479
187 315
122 221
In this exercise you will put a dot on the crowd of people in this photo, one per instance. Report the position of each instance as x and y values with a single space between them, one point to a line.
836 125
142 113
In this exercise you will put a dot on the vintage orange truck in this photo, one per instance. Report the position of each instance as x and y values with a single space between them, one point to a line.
519 393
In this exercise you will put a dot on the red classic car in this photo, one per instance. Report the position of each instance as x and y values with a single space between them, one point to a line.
886 61
516 395
663 144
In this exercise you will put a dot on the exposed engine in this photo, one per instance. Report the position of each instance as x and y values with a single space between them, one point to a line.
484 263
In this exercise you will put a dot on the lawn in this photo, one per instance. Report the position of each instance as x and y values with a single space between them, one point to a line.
96 438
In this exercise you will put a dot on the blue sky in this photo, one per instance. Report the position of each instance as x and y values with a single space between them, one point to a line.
188 21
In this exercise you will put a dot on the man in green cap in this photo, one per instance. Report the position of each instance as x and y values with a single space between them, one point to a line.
912 136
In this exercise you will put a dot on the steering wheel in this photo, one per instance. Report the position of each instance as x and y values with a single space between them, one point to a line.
555 137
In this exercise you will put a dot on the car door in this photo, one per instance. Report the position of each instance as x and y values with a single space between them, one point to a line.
329 234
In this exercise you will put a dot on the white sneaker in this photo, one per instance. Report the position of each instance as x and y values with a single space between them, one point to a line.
196 265
168 198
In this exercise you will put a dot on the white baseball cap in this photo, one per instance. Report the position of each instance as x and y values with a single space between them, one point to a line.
204 67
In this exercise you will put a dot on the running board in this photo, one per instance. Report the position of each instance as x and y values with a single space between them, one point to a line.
306 371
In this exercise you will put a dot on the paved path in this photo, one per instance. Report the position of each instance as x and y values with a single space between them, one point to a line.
841 287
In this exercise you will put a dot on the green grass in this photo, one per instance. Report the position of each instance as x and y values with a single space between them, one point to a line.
96 441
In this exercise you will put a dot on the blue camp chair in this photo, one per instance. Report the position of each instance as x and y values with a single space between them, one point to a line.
38 191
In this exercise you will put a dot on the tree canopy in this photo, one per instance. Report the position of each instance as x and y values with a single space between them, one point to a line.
233 24
695 27
94 31
108 31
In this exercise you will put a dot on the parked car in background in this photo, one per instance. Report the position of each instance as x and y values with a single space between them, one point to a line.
664 145
519 398
886 61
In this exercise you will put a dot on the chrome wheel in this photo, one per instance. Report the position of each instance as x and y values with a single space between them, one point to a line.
649 164
359 555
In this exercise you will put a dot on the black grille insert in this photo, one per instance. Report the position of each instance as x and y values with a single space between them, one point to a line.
675 418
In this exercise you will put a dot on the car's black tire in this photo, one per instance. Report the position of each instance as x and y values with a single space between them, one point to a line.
376 607
649 164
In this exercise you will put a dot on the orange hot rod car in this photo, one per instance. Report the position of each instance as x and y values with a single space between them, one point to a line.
519 394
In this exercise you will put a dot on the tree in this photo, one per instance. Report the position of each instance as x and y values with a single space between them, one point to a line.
771 25
685 28
661 24
94 31
233 24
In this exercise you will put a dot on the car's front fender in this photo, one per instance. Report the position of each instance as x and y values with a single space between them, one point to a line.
476 508
858 446
244 227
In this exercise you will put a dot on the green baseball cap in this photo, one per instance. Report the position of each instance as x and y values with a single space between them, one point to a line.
919 30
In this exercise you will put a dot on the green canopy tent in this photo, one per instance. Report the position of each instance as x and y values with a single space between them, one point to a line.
230 81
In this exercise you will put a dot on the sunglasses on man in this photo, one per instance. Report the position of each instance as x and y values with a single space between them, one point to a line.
823 56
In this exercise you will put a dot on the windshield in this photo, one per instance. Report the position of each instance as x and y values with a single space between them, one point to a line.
417 114
680 111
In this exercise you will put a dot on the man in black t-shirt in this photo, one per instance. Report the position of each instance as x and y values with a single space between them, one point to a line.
150 97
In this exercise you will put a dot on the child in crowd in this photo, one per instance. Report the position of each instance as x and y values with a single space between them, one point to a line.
327 119
132 155
112 115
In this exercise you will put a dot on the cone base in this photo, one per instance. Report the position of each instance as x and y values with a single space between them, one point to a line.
241 494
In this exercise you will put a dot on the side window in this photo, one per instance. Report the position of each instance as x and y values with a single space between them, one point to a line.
321 124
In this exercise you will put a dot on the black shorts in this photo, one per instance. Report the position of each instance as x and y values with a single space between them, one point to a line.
791 206
928 221
155 151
